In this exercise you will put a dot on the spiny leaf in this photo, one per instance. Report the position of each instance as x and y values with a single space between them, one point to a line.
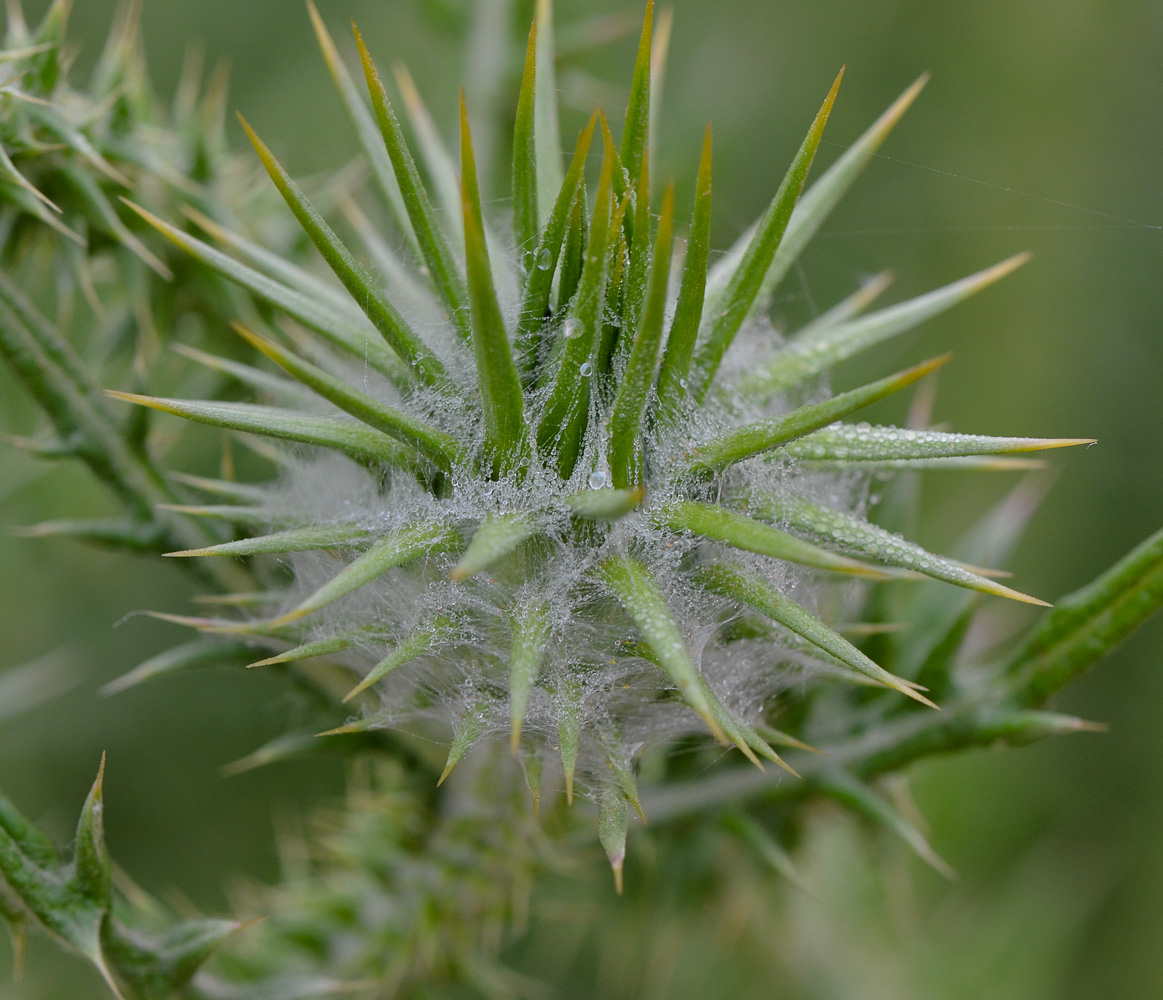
721 525
360 442
72 900
292 746
433 153
740 585
823 347
9 173
568 708
526 218
745 283
612 829
848 308
272 264
1088 624
190 656
506 440
605 504
534 312
629 411
819 200
742 735
861 799
619 178
684 328
562 424
978 463
433 245
347 328
497 536
763 435
659 52
279 389
64 366
782 739
577 235
852 533
247 517
231 626
227 488
472 724
306 539
397 548
25 837
1026 727
443 449
320 647
862 443
99 206
156 966
547 133
115 532
530 626
365 129
640 595
636 229
614 342
636 131
359 284
623 772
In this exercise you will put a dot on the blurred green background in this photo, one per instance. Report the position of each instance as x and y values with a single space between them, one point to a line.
1040 130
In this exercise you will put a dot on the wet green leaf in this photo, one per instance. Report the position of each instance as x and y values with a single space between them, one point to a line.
629 410
745 284
721 525
360 442
530 628
640 595
747 588
395 549
367 294
443 449
495 538
506 437
764 435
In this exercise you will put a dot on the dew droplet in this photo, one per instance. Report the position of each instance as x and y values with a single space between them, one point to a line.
682 382
573 328
544 260
597 480
585 369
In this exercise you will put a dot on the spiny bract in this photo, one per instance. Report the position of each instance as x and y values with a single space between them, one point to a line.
562 486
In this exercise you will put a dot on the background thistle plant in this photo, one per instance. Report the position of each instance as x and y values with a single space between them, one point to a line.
824 783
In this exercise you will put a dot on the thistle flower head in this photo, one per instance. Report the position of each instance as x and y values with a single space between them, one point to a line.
566 488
